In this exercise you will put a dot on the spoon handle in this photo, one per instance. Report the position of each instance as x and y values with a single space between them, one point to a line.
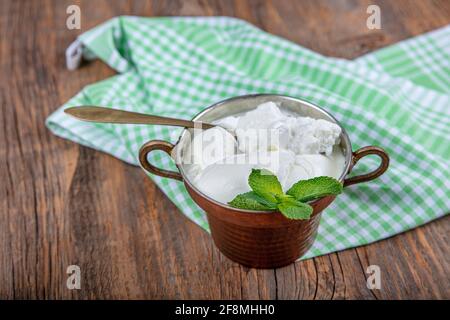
108 115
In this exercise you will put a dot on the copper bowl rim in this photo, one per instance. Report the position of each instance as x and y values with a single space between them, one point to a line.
344 137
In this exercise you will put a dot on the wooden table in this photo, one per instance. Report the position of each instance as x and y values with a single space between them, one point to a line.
64 204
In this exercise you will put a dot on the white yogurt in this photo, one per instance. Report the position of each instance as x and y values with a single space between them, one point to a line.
293 148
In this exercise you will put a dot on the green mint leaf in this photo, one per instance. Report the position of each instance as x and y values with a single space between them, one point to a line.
261 200
283 197
251 201
265 184
294 209
307 190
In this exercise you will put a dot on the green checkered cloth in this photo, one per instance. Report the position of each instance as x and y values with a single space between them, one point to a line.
396 97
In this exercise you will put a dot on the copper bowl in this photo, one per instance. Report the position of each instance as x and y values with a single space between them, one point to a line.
261 239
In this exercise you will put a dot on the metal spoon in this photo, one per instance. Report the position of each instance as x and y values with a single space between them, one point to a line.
108 115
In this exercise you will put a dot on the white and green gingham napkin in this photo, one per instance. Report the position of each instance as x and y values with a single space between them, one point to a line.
396 98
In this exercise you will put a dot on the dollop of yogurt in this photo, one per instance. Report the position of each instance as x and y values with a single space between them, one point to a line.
294 148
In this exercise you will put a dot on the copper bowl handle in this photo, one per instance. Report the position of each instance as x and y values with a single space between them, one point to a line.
365 151
162 146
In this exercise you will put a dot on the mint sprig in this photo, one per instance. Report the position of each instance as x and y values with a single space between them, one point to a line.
267 194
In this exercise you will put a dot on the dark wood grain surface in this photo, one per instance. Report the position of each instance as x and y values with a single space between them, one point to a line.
63 204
